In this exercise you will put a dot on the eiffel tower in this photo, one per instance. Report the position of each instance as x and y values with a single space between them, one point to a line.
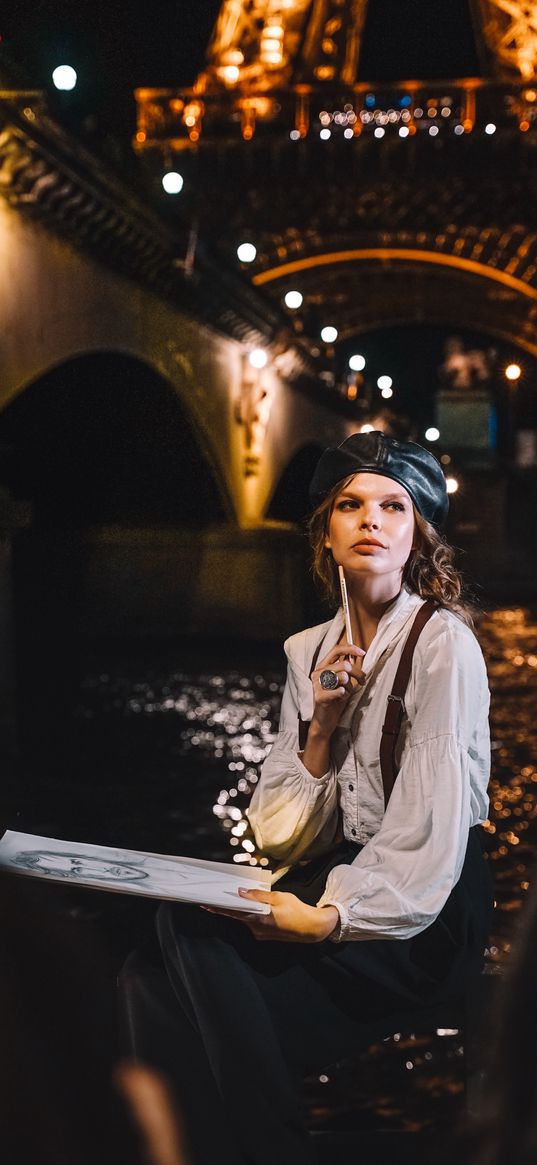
383 204
272 63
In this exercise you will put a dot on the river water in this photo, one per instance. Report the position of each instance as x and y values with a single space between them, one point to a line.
165 755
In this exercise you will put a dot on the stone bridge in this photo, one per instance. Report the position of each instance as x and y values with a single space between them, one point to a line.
124 361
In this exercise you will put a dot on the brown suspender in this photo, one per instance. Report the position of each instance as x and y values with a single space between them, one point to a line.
395 707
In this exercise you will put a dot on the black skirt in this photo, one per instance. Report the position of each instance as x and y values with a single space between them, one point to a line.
437 964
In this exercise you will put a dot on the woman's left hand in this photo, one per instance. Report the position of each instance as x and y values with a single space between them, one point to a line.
289 921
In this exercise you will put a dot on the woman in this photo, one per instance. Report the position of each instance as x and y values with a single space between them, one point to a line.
381 909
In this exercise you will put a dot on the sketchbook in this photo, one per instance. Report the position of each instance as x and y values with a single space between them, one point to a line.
129 871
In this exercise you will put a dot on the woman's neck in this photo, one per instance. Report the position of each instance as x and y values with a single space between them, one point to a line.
368 601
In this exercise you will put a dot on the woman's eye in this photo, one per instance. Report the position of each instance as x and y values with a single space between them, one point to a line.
396 506
347 505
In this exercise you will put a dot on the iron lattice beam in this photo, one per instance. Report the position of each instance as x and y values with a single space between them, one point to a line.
509 32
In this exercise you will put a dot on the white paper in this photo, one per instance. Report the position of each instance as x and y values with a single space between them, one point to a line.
128 871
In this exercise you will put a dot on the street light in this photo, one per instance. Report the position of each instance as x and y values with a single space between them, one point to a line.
293 300
64 77
513 372
258 358
172 182
246 252
329 335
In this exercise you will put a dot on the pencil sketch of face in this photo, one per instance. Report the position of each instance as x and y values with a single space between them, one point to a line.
79 866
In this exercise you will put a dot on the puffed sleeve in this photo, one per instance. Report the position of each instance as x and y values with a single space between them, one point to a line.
292 812
399 882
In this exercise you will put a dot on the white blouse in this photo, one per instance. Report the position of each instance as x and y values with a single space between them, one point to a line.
414 851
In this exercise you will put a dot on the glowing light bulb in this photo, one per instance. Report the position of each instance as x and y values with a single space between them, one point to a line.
452 485
172 182
294 300
404 131
384 382
513 372
329 335
231 74
386 393
64 77
367 429
357 362
432 434
490 128
325 134
379 132
258 358
246 252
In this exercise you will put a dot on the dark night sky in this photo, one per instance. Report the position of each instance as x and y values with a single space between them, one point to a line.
117 45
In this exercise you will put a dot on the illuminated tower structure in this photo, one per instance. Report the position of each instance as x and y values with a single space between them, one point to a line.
509 36
265 59
275 64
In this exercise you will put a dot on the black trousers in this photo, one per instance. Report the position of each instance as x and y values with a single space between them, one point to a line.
236 1023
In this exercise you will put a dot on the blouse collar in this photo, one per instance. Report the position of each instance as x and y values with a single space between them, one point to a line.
390 624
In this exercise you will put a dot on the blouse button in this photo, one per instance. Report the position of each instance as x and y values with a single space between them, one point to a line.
351 788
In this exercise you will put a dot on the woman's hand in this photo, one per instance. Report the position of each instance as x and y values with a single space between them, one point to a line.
346 661
289 921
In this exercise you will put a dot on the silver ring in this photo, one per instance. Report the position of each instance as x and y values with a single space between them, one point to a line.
328 680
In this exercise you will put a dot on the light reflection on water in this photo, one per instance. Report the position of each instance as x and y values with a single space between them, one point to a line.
509 640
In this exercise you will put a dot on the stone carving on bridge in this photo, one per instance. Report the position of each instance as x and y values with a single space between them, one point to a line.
510 31
466 368
252 412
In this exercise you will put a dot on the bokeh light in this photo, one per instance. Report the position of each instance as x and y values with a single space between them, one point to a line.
64 77
258 358
172 182
246 252
293 300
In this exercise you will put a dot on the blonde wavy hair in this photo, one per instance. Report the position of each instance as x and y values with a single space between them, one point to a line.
430 571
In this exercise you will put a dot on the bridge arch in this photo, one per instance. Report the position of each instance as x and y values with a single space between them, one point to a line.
290 499
425 285
103 438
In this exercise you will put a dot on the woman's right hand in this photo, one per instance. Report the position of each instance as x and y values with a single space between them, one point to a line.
346 661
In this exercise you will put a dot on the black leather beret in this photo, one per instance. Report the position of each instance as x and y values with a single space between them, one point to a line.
411 465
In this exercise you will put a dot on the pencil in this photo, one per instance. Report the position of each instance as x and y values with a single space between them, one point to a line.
345 602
